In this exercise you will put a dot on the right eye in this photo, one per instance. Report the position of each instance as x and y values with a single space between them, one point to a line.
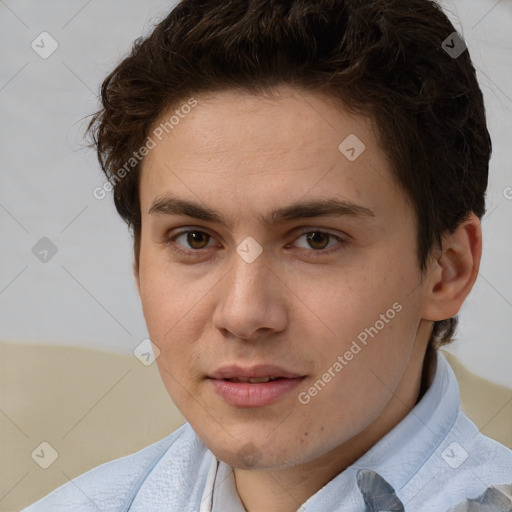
194 238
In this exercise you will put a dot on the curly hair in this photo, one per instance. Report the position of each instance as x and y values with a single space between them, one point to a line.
382 58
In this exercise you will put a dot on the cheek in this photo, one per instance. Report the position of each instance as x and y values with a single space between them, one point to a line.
171 323
168 301
348 303
370 321
176 303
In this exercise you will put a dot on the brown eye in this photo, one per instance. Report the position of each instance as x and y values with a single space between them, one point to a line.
197 239
318 244
318 240
190 242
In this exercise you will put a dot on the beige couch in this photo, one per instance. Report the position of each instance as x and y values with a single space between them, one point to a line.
92 407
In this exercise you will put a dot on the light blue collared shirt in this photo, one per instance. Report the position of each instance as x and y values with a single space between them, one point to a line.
434 460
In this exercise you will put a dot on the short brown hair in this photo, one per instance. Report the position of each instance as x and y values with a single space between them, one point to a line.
383 58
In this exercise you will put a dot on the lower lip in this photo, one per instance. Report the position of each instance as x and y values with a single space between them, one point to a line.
245 394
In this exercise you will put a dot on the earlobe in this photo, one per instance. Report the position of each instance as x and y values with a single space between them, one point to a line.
457 269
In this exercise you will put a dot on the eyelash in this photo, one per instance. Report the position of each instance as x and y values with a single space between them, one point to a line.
170 241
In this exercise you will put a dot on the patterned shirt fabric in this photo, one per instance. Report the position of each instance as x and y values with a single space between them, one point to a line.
434 460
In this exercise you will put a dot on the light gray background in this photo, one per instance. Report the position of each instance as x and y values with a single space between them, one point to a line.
85 295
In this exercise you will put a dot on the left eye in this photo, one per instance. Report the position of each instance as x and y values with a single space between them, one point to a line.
318 239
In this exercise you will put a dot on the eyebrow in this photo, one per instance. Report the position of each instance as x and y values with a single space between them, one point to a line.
168 205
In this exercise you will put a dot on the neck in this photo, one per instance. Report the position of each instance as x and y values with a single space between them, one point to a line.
285 490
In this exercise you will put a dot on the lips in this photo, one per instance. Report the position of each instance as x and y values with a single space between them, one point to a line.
237 373
253 380
257 386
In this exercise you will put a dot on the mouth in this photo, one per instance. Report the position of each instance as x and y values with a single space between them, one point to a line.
256 386
261 373
253 380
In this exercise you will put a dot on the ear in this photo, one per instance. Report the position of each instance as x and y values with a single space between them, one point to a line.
136 275
454 271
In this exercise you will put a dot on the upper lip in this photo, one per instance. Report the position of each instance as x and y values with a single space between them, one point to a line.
259 371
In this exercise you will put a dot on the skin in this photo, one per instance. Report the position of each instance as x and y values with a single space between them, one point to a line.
295 306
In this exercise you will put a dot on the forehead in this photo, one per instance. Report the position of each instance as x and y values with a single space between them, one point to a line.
239 151
287 121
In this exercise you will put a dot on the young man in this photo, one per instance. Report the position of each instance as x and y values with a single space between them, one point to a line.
305 181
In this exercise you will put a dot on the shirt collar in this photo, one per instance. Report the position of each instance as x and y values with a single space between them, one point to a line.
220 494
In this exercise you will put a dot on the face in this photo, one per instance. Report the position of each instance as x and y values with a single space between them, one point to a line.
269 251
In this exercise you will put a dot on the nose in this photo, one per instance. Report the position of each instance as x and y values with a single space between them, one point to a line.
252 301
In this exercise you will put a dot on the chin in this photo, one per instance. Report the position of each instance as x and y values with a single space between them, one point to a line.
248 455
